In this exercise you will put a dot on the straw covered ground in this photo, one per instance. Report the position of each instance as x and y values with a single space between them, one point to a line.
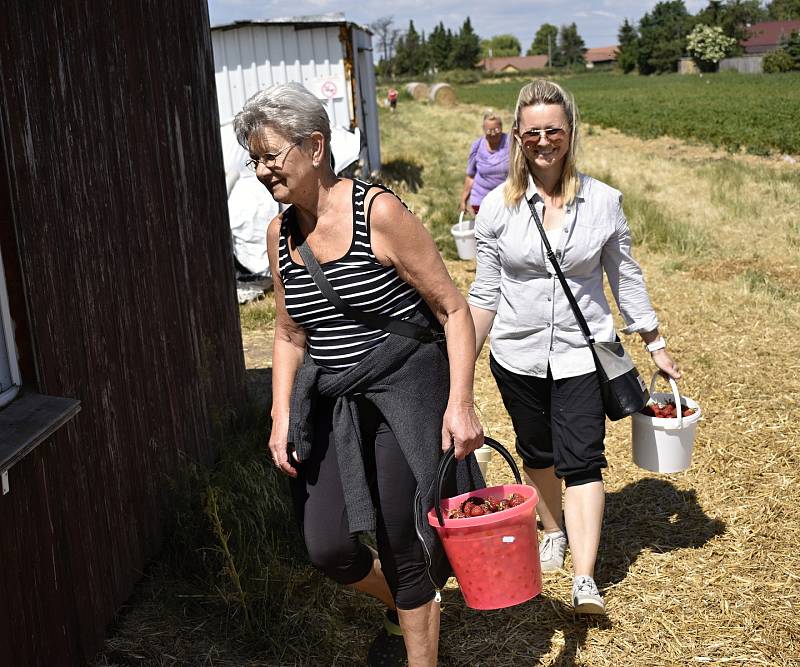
699 567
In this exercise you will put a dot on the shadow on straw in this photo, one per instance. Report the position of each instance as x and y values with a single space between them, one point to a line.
650 514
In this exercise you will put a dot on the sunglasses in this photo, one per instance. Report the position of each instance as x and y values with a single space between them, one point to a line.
554 135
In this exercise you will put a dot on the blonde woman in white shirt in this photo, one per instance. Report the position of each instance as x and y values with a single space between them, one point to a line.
543 367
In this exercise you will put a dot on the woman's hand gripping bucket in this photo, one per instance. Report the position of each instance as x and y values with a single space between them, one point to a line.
665 444
464 234
494 557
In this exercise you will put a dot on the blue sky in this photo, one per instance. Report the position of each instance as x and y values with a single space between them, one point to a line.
597 21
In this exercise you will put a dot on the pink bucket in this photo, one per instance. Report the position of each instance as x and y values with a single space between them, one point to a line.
494 557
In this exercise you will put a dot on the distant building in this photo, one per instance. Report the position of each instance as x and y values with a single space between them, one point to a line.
601 55
768 36
513 63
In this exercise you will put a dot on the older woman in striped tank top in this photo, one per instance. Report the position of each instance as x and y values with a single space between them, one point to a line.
360 415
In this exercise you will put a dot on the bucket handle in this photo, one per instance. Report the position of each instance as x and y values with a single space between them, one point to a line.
675 393
447 459
460 219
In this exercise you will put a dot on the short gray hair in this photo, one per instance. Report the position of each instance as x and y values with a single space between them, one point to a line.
288 108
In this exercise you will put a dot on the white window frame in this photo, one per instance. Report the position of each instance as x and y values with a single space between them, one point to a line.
9 367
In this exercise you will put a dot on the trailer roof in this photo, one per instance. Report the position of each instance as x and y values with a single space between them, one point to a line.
311 21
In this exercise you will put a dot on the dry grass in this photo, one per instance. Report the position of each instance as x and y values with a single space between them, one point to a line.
698 568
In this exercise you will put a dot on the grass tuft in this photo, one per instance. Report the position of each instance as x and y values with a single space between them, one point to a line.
234 537
756 281
257 315
652 225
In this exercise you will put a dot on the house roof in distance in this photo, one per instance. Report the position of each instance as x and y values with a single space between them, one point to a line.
517 62
769 33
601 54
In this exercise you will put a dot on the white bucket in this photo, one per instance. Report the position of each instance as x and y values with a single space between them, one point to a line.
665 445
464 234
484 455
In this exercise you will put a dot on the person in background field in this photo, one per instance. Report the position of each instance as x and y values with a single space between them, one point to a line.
487 164
360 416
540 360
392 97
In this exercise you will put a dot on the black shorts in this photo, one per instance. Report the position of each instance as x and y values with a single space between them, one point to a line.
558 423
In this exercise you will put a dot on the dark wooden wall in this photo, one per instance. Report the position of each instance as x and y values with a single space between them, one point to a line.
117 198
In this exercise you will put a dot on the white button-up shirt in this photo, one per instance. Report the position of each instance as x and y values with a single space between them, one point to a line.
534 324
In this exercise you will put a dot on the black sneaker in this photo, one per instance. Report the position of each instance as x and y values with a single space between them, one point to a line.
388 648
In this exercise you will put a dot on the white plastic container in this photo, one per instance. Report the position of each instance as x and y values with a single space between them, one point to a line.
484 455
665 445
464 234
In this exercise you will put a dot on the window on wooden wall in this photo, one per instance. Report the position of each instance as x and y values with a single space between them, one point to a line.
9 369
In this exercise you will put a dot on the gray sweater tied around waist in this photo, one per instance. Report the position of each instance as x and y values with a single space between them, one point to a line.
408 382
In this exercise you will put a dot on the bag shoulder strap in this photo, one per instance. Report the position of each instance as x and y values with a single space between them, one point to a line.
557 268
373 320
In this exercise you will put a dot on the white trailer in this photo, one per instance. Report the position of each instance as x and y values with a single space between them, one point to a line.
332 57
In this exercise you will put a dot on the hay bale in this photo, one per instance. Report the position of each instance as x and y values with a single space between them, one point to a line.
442 94
417 90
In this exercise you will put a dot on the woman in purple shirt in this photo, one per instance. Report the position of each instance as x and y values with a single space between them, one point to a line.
487 165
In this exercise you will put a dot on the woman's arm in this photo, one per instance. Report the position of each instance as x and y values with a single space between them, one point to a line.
399 239
661 357
483 320
287 357
627 284
472 170
468 181
484 295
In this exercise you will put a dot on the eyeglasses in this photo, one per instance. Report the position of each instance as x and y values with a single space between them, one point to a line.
269 159
554 134
494 132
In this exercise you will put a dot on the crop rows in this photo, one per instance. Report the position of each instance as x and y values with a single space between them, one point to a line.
757 113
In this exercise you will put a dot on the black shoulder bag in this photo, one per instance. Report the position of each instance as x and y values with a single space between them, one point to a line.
621 386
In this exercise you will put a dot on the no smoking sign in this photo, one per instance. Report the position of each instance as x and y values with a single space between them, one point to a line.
329 89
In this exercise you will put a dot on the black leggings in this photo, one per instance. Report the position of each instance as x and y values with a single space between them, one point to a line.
321 513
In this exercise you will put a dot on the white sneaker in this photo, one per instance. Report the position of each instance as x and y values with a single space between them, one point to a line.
585 597
551 551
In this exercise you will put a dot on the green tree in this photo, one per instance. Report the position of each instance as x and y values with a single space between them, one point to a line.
708 45
733 16
466 48
546 37
662 37
776 62
410 57
500 46
628 50
571 46
737 15
440 43
784 10
792 47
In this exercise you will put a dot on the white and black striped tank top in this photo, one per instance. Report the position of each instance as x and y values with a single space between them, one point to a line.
333 340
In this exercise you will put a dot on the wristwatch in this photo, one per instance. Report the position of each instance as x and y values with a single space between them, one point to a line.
658 344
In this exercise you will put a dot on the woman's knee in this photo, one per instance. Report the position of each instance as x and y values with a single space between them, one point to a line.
344 562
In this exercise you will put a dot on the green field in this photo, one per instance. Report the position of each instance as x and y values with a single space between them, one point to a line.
754 112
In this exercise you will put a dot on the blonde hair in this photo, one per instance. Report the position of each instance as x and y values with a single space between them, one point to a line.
542 91
491 114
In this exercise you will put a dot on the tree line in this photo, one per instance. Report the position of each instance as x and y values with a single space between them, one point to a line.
658 41
653 44
412 53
